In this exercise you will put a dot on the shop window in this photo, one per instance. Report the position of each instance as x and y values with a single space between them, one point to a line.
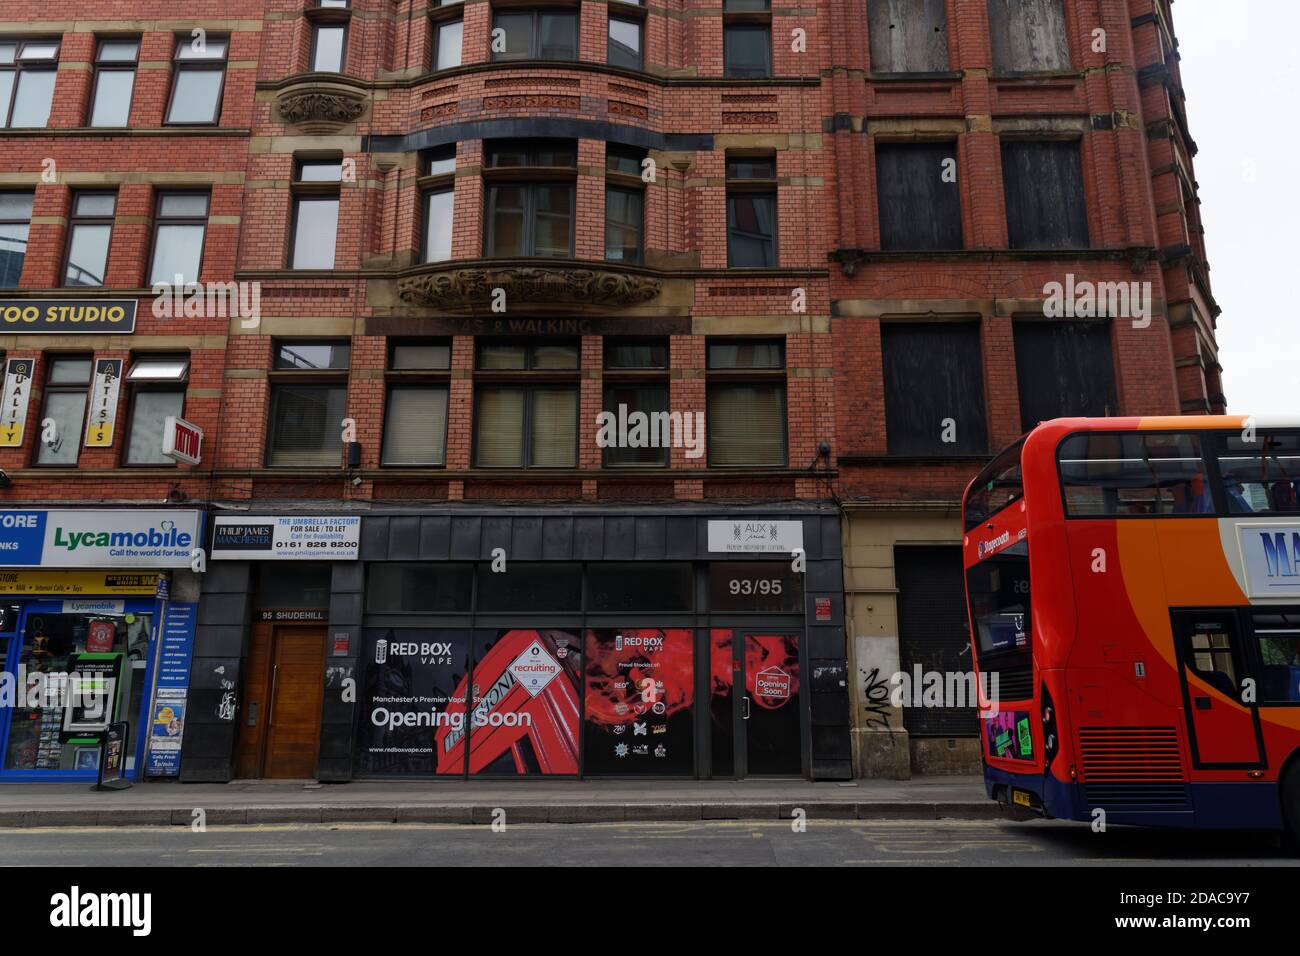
200 75
641 586
115 65
527 734
751 210
15 224
315 213
1043 184
1064 370
624 204
746 397
90 228
180 224
157 391
27 72
530 587
934 388
530 194
908 36
408 588
625 42
534 34
438 186
50 640
413 701
526 405
637 391
1134 474
284 584
309 393
1261 475
415 417
747 38
67 383
640 701
1028 35
920 206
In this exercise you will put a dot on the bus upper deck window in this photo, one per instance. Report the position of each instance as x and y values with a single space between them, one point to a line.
1136 473
997 486
1261 474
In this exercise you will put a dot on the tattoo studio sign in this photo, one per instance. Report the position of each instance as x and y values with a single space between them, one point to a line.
69 316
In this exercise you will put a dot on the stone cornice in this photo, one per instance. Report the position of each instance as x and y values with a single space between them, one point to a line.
569 287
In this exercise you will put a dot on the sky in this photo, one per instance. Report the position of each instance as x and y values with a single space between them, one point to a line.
1241 70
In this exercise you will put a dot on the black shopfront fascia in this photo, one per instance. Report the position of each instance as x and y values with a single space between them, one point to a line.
454 542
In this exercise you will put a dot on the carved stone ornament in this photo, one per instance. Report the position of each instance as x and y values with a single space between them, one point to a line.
316 109
537 286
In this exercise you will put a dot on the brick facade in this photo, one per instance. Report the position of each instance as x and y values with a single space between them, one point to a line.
822 115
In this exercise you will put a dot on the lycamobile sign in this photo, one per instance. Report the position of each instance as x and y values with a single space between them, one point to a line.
96 539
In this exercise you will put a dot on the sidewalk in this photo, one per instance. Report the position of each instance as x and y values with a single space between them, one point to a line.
438 801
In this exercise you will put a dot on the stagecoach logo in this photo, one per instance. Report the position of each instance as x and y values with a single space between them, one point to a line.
535 668
1271 555
988 547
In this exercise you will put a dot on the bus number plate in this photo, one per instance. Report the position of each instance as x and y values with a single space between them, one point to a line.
1020 798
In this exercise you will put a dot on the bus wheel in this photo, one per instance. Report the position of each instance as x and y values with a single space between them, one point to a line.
1291 806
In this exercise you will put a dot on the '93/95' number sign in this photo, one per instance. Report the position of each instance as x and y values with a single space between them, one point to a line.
755 586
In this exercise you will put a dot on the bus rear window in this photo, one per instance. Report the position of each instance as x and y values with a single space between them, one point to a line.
999 601
1134 473
1261 475
997 486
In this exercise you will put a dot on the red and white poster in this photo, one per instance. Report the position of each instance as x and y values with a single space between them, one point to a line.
99 637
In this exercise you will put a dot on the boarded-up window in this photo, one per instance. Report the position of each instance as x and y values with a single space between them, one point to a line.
908 36
933 634
1043 184
916 189
1065 370
1028 35
934 388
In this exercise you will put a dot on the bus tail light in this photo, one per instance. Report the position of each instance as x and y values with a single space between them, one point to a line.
1051 741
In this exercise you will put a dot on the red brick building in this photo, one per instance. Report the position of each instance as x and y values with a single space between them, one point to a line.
809 245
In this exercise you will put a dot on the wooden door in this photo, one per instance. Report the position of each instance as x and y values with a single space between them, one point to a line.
280 722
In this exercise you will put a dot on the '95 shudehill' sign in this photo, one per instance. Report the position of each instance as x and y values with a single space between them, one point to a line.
52 316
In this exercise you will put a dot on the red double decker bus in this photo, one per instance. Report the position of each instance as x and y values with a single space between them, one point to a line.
1134 595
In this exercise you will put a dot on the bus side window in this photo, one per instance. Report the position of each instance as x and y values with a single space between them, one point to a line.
1278 636
1212 659
1262 475
1134 473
